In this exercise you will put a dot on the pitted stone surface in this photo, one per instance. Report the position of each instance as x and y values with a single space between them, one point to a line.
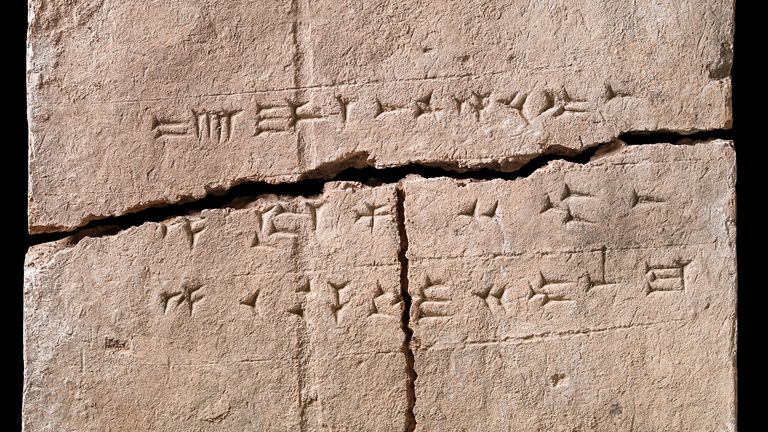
136 103
595 297
283 314
582 297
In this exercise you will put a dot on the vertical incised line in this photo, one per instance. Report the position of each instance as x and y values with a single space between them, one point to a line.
300 40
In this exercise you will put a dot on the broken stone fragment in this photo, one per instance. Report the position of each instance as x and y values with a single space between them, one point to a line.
138 103
582 297
283 314
597 297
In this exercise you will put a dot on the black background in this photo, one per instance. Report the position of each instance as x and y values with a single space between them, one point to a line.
749 101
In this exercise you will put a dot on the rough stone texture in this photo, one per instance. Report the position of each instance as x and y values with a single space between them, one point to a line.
133 103
283 314
582 297
596 297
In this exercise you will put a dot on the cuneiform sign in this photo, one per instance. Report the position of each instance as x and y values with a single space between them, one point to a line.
281 314
596 297
134 103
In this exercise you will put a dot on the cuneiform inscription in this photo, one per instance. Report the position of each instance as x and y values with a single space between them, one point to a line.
599 281
434 301
383 303
514 102
474 103
115 344
636 199
369 215
278 221
186 297
546 291
207 126
287 115
250 300
192 230
270 118
666 277
167 127
340 296
386 108
423 106
562 205
477 209
334 297
345 105
300 306
215 127
493 297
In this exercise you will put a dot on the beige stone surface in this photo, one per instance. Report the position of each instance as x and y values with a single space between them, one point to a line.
597 297
283 314
134 103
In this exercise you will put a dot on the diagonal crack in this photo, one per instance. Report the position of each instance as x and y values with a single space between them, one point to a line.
354 170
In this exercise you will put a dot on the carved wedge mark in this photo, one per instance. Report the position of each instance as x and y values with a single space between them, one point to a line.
476 210
297 310
568 193
552 103
433 301
339 298
270 118
186 297
278 222
382 108
250 301
369 215
665 278
313 208
475 103
515 102
611 93
571 217
344 106
192 230
285 117
600 281
565 104
171 128
299 307
296 116
214 126
423 105
636 199
546 291
383 302
493 297
563 207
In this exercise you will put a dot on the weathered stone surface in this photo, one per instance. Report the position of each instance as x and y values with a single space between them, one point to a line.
134 102
283 314
596 297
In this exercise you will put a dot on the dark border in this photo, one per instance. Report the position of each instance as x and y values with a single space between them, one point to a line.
14 144
750 198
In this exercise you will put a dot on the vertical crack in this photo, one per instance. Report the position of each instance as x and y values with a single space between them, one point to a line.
410 418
